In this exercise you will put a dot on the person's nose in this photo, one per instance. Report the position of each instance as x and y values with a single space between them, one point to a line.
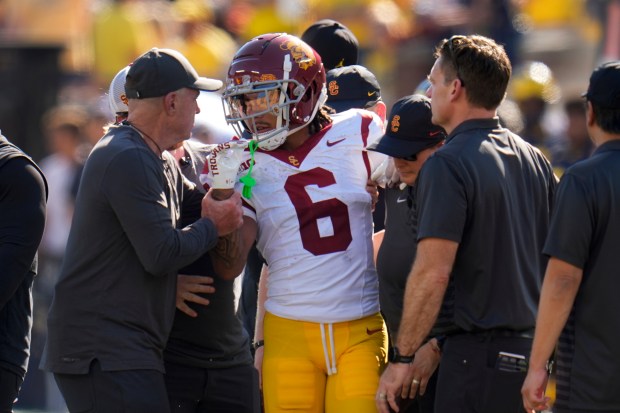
252 107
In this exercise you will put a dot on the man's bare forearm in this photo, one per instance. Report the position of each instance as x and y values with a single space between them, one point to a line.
424 293
423 298
227 255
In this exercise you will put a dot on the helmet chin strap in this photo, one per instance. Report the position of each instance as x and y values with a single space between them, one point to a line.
284 114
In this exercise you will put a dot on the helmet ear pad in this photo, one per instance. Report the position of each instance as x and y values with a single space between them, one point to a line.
313 97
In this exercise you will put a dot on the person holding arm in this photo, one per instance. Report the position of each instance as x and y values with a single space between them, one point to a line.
114 303
207 356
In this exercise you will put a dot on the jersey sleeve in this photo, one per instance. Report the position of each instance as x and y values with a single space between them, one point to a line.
377 159
571 243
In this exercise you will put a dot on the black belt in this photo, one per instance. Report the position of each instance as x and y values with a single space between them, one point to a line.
499 332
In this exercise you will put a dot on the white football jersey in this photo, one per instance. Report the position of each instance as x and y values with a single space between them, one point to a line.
315 222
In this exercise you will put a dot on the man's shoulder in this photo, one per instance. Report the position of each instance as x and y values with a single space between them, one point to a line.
118 140
356 123
594 168
354 116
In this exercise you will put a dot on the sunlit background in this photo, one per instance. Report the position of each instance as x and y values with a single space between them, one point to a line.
57 58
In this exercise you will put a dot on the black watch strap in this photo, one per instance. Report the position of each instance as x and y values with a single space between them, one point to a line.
399 358
440 342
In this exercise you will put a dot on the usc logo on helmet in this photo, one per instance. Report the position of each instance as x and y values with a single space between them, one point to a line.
124 99
395 123
333 88
301 53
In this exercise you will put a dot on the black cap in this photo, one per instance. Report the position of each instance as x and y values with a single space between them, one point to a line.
352 87
604 88
161 71
409 128
334 42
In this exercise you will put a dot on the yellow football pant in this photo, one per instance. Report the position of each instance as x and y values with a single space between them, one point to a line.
331 368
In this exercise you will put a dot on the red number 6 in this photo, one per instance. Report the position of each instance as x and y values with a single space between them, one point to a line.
309 212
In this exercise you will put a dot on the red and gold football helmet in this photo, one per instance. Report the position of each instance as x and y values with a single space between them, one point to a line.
278 74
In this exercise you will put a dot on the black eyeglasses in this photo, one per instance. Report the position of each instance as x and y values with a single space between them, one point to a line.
453 57
410 158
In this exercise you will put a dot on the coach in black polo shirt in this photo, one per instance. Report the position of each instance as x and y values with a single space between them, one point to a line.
483 213
579 300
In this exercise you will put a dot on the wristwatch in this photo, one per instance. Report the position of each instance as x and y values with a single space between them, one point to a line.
440 342
396 357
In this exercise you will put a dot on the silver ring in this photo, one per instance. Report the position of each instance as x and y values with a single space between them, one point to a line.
416 381
381 396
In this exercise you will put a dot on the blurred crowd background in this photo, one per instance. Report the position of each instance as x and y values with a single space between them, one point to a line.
57 58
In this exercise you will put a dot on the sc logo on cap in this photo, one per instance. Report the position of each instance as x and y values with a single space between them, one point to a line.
395 123
333 88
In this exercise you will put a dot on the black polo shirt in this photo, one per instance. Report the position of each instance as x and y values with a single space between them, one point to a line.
491 192
585 232
396 255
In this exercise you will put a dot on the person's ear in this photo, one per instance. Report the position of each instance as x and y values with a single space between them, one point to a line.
589 114
170 102
457 88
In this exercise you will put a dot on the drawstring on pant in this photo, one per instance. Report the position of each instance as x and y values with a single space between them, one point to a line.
331 367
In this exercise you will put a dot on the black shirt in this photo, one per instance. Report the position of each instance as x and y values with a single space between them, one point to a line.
396 255
216 337
115 297
491 192
585 232
23 195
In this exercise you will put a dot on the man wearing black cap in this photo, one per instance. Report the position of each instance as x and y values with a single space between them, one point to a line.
206 340
578 305
114 301
334 42
410 138
483 208
354 86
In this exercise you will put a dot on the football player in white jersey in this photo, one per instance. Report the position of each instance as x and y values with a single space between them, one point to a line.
325 342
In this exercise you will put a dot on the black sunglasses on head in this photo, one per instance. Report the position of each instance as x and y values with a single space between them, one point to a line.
455 63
